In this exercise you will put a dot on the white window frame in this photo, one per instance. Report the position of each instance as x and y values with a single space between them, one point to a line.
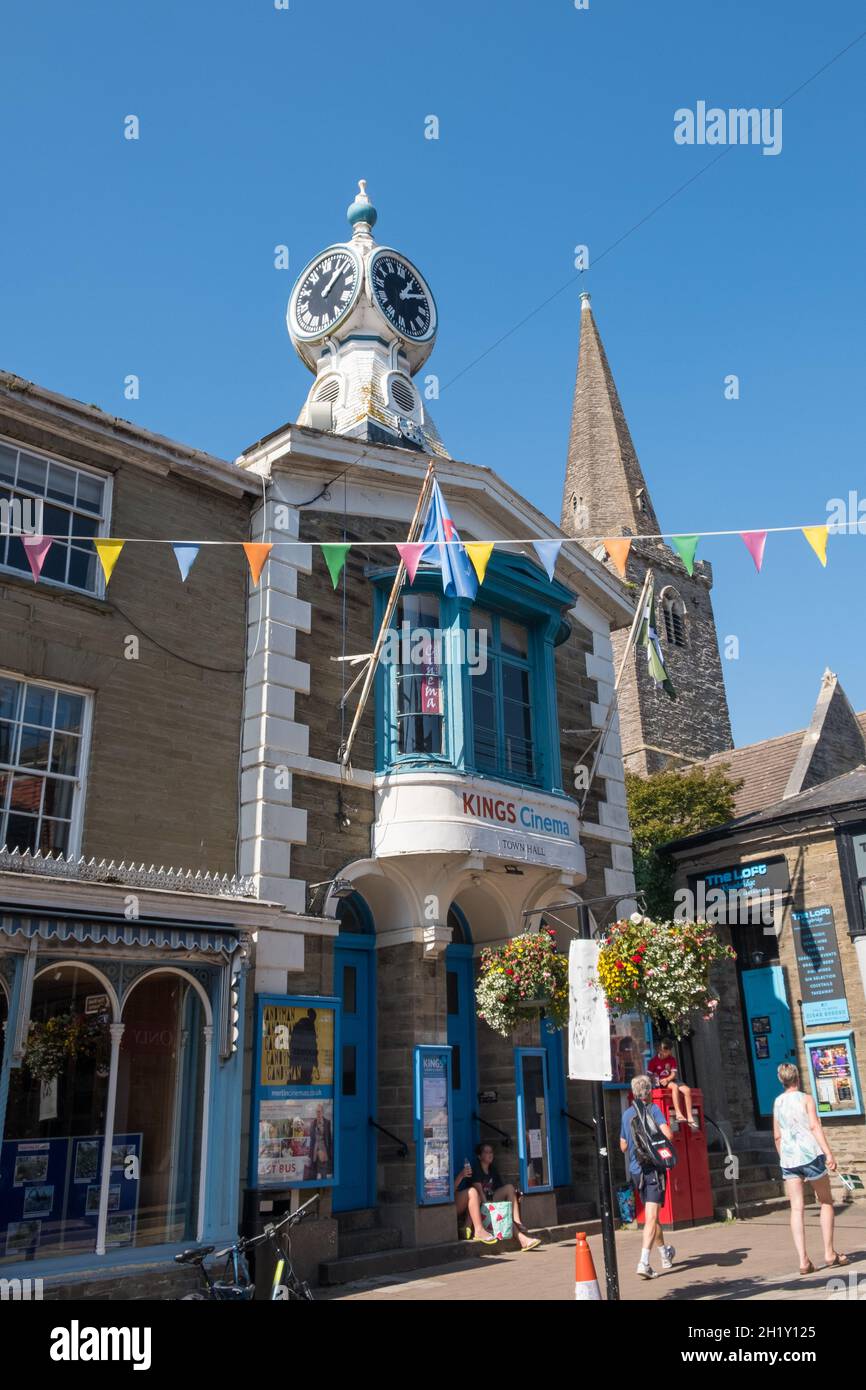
76 820
107 479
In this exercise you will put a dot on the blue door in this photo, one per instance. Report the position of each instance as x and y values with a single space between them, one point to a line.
460 983
560 1156
769 1035
355 983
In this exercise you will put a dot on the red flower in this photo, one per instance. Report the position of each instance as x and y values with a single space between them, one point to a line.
509 972
635 960
620 965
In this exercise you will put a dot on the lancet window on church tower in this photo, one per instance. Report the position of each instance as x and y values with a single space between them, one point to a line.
673 613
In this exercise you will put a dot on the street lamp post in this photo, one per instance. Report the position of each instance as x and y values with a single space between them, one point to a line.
605 1193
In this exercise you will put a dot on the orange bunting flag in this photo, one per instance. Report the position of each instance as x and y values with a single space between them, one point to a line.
617 548
817 538
257 553
108 552
479 553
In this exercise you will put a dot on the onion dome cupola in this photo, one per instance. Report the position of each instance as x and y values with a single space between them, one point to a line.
363 319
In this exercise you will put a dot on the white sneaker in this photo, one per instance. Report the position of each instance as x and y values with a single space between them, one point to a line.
668 1254
645 1271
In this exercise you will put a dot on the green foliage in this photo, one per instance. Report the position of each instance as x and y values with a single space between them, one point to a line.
664 807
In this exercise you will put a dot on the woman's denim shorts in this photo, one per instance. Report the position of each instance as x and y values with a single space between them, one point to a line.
809 1172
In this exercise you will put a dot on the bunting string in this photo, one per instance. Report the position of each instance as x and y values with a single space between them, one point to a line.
462 573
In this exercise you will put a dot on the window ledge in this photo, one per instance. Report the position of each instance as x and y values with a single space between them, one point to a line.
56 591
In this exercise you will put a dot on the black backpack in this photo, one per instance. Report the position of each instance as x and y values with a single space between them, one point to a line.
653 1150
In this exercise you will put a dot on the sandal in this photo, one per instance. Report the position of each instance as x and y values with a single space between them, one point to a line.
807 1268
838 1261
533 1245
485 1240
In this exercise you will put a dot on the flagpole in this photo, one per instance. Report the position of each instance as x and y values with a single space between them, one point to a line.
373 662
611 708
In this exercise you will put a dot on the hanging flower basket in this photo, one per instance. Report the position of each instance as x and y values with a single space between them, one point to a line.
525 975
662 970
58 1040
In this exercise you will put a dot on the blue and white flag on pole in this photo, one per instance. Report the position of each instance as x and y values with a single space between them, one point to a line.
458 575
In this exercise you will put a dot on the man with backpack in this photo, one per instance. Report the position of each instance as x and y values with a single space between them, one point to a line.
647 1141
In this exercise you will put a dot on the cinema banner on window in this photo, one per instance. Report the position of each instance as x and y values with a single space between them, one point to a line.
296 1095
588 1018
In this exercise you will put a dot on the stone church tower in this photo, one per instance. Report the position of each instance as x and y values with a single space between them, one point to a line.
606 494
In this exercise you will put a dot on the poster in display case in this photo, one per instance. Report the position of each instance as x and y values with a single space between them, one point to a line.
433 1125
296 1093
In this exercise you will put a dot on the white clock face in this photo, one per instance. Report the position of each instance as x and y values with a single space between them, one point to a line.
401 296
324 293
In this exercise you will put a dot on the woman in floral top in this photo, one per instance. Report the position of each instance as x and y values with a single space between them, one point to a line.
805 1156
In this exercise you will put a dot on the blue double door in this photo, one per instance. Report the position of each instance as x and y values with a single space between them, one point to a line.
355 984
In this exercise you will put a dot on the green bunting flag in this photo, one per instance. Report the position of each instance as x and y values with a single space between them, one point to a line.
685 546
335 558
648 638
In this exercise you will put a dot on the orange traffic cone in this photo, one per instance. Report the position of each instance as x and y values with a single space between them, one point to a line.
585 1281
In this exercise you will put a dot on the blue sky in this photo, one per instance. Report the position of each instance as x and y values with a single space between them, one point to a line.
155 257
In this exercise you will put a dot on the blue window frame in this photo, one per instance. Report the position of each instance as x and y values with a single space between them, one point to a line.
443 707
533 1119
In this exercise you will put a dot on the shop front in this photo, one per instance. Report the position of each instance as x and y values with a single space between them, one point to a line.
120 1093
783 886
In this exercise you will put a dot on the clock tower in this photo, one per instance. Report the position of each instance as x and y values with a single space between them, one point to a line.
363 319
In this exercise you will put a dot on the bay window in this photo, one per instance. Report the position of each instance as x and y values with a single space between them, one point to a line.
471 687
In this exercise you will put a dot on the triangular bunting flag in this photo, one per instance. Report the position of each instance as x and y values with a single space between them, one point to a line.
685 546
36 548
185 556
257 553
817 538
548 554
617 548
335 558
410 554
479 553
755 542
108 552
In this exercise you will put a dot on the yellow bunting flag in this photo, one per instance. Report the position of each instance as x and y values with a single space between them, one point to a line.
617 548
257 553
108 552
817 538
479 553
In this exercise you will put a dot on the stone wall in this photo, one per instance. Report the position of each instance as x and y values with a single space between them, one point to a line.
162 781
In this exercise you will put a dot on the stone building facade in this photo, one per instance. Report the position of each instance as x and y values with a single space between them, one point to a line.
121 915
797 990
606 495
402 866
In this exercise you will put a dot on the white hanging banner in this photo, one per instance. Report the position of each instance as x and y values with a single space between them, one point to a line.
588 1018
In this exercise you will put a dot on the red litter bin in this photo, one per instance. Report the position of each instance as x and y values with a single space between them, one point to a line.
688 1195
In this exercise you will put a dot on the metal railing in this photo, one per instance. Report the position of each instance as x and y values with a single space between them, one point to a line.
402 1146
576 1120
506 1138
732 1159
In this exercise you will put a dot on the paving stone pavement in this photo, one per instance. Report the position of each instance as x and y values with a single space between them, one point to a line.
740 1260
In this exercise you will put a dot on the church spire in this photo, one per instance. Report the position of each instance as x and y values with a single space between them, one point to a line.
605 491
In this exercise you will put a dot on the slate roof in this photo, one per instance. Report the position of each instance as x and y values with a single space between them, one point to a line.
765 768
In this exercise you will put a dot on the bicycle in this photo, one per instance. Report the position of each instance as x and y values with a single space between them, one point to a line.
236 1284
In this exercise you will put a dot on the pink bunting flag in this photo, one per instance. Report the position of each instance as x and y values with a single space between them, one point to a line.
36 548
755 542
410 554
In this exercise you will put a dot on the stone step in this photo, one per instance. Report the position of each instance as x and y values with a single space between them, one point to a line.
369 1241
755 1172
759 1191
363 1220
574 1212
746 1158
751 1209
401 1260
